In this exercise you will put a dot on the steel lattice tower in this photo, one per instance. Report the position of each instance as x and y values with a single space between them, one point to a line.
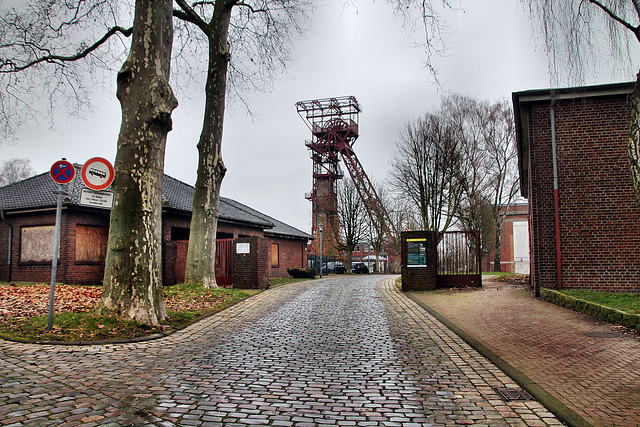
334 128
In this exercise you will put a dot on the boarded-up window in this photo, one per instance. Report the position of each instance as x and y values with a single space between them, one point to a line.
275 256
36 243
91 243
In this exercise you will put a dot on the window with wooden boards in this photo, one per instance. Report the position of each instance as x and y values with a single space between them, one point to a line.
275 255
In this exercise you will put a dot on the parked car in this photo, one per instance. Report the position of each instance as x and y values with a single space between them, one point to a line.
335 267
359 268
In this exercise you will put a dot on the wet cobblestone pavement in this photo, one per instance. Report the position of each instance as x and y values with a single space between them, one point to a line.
348 350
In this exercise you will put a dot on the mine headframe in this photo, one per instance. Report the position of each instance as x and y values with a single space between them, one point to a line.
334 128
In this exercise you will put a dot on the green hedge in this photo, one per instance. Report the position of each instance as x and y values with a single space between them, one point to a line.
302 273
591 309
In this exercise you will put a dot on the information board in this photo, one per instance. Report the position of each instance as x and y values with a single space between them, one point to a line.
416 252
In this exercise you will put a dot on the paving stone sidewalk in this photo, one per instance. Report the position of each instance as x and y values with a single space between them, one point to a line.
338 351
586 364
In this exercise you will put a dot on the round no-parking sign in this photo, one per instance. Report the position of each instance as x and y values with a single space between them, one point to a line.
62 172
97 173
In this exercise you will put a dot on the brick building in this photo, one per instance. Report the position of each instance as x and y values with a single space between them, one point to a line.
365 252
27 211
514 249
584 218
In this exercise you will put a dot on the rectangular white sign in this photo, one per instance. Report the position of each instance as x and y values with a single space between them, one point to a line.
97 199
243 248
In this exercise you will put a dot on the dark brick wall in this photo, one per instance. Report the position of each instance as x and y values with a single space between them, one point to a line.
72 271
5 263
292 253
251 270
599 216
69 270
30 271
419 278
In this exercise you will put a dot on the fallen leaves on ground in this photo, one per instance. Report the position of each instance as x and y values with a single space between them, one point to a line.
24 309
517 279
33 300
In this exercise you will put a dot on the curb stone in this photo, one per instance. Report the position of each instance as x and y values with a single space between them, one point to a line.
598 311
557 408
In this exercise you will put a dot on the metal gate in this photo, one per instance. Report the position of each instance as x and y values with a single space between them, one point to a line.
459 260
224 261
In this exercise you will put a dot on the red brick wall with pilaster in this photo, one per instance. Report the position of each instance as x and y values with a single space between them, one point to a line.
4 251
69 270
29 271
599 215
291 254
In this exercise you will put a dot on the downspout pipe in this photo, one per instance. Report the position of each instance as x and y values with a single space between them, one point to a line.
9 245
556 195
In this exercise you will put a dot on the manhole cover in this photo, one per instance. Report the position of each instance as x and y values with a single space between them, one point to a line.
513 394
601 335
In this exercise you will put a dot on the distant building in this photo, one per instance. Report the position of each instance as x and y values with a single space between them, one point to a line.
365 252
584 219
27 210
514 249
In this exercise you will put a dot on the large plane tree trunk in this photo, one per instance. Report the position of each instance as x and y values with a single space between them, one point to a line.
133 274
204 220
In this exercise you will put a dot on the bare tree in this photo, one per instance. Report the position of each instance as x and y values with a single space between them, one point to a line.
495 122
579 34
52 54
15 170
261 30
133 265
489 165
352 217
426 171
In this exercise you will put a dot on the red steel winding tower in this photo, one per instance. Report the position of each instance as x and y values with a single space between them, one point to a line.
334 128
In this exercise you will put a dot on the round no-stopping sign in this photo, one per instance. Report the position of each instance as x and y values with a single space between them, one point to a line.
62 172
97 173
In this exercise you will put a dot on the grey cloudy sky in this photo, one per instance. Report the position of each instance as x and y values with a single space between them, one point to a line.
358 49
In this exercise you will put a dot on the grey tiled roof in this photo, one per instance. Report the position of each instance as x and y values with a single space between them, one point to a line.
40 191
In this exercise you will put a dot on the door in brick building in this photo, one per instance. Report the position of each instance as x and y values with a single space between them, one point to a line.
521 247
224 261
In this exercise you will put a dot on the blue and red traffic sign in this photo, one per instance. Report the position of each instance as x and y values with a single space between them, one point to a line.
62 172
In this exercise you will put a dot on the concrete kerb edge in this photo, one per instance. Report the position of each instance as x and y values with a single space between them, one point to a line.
557 408
606 314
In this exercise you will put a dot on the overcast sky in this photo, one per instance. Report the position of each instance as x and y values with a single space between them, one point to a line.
358 50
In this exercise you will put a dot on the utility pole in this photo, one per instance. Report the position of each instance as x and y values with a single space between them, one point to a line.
320 230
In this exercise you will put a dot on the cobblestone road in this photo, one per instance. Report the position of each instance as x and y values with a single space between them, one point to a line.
340 351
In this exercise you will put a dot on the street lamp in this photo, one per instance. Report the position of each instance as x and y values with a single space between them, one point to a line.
320 230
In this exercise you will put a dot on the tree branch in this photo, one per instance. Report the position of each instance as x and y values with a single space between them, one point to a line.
13 68
605 9
190 15
248 6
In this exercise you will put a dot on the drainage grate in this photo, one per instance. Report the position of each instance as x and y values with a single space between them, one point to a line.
509 394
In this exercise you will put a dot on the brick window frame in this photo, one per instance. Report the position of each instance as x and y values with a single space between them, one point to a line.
36 244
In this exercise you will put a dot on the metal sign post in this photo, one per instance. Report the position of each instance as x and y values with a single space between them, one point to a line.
61 172
54 261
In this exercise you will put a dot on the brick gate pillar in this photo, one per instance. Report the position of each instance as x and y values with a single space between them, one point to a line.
419 260
251 263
